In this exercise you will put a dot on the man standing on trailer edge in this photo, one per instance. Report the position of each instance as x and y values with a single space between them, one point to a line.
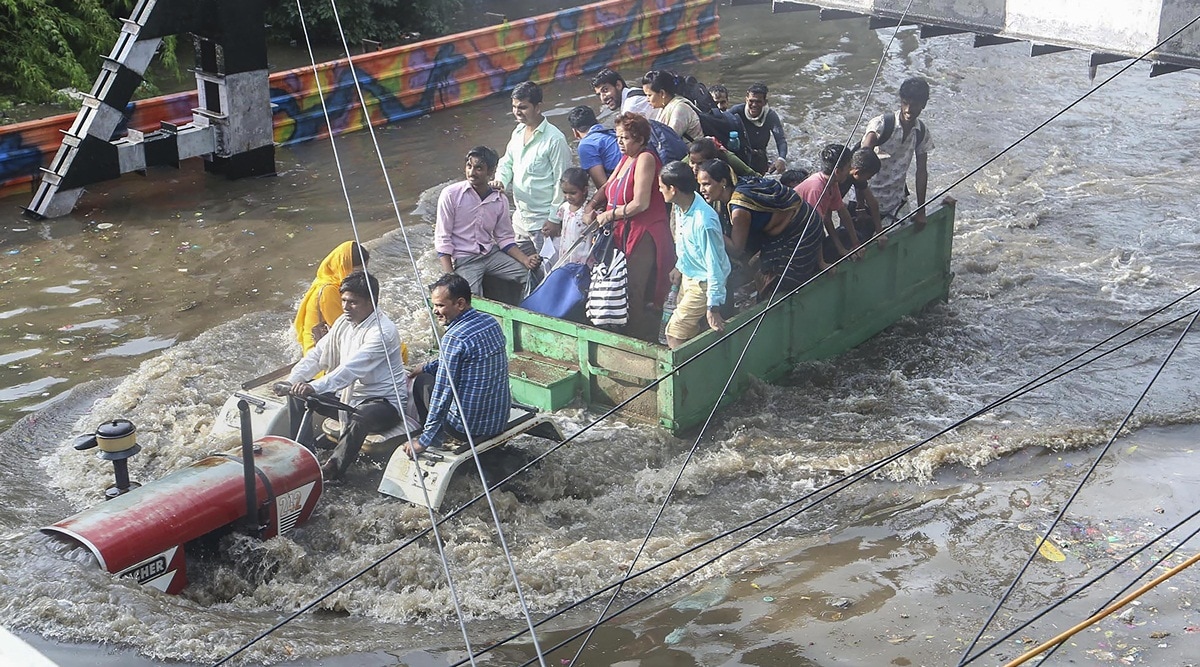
761 124
472 364
896 138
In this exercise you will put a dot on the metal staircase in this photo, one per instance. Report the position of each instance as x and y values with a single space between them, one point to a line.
231 127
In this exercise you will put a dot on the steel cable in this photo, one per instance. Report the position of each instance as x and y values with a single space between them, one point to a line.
812 219
1029 385
1094 580
1079 487
845 481
470 437
438 541
715 343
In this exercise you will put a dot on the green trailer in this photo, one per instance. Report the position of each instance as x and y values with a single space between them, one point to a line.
553 362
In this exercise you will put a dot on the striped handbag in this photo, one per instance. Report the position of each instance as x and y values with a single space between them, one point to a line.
608 293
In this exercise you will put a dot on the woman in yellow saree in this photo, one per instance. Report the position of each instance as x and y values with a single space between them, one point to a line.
322 304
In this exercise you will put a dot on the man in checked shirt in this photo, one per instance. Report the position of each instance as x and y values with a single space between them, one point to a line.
473 360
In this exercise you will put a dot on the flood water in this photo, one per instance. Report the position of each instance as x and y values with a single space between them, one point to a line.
161 294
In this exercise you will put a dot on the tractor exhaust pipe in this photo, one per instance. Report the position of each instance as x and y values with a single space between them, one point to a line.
251 523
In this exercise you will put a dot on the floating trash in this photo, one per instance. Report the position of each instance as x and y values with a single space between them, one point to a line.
104 225
1051 552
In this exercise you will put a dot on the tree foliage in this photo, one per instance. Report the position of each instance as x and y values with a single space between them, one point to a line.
52 44
49 45
387 21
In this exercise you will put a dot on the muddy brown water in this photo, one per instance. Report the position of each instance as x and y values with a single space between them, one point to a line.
162 293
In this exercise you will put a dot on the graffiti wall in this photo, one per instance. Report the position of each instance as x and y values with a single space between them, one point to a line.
416 79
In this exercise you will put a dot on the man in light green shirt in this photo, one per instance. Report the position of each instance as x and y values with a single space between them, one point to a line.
533 163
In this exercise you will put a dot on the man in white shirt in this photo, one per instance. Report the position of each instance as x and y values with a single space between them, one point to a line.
361 358
897 138
617 96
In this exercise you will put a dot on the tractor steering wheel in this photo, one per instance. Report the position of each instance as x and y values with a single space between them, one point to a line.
321 400
314 401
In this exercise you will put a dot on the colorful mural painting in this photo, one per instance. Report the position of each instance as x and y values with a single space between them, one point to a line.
415 79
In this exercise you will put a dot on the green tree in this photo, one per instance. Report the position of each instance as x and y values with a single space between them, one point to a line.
52 44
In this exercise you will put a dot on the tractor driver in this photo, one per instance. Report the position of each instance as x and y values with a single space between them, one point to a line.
361 358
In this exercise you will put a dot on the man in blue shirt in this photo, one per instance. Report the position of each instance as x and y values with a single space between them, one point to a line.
599 153
472 364
702 264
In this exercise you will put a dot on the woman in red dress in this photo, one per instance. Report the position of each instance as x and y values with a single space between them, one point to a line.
632 203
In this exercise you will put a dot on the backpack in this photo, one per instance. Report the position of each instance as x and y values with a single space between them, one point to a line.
889 128
720 125
667 143
691 88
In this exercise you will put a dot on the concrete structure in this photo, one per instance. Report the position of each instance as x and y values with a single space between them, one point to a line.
1111 30
230 127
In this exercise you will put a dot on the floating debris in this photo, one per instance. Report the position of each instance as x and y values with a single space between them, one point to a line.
1051 552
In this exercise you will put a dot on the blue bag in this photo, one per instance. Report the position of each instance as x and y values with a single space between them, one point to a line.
562 294
669 145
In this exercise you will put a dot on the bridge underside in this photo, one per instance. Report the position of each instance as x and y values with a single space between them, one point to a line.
1108 30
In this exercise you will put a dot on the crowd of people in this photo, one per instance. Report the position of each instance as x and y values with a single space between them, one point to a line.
779 226
699 225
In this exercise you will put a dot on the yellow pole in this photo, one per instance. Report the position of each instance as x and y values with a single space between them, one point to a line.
1100 615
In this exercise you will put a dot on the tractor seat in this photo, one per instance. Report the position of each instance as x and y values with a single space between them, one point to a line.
332 428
